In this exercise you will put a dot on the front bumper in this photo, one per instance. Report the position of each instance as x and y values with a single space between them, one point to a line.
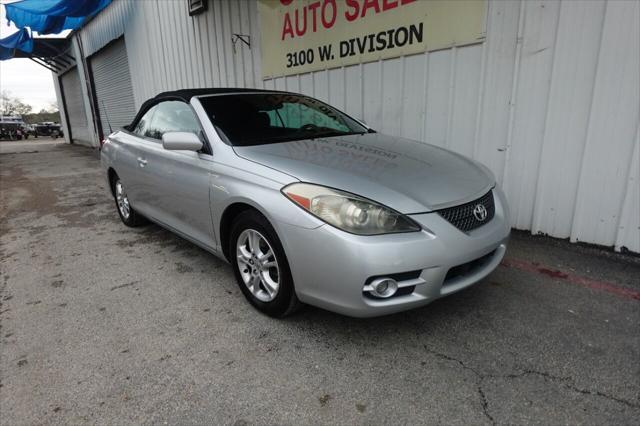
330 267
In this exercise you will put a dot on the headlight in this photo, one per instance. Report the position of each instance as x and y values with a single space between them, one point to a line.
348 211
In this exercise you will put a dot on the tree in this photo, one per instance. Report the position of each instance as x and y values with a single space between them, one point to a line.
12 106
41 116
52 106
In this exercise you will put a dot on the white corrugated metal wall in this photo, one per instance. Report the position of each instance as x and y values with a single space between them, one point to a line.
550 101
74 106
112 86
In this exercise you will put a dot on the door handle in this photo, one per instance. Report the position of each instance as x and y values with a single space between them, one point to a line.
142 162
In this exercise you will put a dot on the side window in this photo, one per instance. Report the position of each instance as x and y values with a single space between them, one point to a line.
172 116
143 125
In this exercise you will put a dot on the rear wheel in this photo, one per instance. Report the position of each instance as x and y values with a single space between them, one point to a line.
260 265
128 215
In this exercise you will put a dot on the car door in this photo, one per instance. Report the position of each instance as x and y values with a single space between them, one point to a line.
130 166
176 183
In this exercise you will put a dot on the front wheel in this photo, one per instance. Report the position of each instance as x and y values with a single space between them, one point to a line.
260 265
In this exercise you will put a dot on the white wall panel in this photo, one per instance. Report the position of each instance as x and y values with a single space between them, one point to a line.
306 84
530 107
413 97
321 85
500 64
549 101
353 91
175 50
392 87
611 133
570 99
108 25
281 83
439 70
372 94
464 103
337 92
292 83
628 233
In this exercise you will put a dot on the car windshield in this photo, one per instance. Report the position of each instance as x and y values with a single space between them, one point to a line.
264 118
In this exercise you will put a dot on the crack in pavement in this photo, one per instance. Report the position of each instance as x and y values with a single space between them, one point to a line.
570 386
124 285
565 381
483 398
484 401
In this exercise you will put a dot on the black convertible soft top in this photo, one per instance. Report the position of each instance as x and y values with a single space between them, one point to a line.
185 95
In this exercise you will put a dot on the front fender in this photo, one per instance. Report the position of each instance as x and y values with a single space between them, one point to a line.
240 186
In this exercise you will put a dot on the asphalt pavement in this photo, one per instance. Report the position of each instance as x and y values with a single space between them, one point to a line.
103 324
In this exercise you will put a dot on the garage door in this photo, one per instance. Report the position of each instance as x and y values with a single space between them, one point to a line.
74 106
112 82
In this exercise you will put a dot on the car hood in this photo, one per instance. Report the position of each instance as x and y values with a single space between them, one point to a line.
406 175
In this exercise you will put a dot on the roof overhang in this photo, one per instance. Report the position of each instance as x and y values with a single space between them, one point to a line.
51 53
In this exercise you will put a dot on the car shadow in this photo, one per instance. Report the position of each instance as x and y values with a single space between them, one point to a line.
462 309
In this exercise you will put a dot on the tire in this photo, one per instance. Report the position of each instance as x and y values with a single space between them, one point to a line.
127 214
279 303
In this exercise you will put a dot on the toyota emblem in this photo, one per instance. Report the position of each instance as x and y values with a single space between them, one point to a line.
480 212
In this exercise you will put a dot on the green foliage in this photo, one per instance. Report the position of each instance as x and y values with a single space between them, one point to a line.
41 116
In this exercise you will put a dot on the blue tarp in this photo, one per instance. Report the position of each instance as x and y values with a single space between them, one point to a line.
21 40
52 16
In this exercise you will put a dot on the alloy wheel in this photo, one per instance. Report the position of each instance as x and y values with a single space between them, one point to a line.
122 200
258 265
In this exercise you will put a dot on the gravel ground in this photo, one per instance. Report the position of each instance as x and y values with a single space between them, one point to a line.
104 324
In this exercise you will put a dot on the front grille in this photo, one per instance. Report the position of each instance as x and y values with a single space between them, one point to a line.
463 217
468 268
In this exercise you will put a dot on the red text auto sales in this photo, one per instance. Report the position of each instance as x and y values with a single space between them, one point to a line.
321 15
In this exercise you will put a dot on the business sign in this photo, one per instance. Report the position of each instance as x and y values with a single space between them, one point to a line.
306 35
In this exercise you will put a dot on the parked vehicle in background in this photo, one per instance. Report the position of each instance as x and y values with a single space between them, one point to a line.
49 129
11 127
29 130
10 131
307 203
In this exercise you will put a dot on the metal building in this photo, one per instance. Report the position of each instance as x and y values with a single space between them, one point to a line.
548 97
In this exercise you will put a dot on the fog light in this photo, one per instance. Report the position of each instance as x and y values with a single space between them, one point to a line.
384 287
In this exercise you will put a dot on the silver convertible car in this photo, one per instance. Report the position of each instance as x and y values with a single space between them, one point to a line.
307 204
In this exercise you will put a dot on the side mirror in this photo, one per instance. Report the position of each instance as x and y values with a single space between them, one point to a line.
181 141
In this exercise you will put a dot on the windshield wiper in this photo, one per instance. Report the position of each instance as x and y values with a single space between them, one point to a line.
332 134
